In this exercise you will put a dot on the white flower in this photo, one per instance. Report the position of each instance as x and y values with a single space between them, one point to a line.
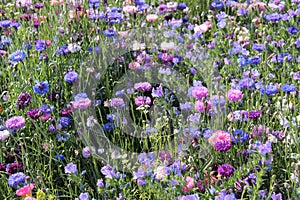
4 134
74 47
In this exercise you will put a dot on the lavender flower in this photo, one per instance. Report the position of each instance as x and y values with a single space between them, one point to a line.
225 170
71 168
24 100
15 123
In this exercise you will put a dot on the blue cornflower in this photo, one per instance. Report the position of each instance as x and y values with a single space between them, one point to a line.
64 121
16 25
217 4
255 60
80 95
110 32
240 136
288 88
108 126
71 77
5 24
181 6
293 30
18 55
71 168
46 109
274 17
258 47
60 157
41 87
269 90
63 50
94 3
246 83
16 179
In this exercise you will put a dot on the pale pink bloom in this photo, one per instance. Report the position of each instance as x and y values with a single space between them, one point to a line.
123 34
134 65
166 46
24 3
129 9
82 103
151 17
218 136
90 69
208 24
189 184
25 191
57 2
30 198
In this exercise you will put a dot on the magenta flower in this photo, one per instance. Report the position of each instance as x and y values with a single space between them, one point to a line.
234 95
200 106
200 92
142 100
15 123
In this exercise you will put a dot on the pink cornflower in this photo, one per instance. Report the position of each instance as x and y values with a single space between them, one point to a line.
189 184
25 191
142 100
234 95
200 106
82 103
219 136
200 92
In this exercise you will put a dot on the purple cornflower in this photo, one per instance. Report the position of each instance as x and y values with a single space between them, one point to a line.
100 183
246 83
141 173
225 170
143 86
254 114
34 113
40 45
296 76
146 158
117 103
15 123
84 196
265 148
141 182
157 92
71 77
71 168
24 100
15 167
274 17
223 146
108 171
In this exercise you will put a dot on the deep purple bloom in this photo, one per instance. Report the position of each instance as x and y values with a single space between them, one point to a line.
225 170
254 114
15 167
24 100
34 113
223 146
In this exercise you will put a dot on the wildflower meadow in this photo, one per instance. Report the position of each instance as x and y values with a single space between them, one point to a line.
149 99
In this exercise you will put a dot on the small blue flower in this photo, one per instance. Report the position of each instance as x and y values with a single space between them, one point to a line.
110 32
18 55
64 121
41 87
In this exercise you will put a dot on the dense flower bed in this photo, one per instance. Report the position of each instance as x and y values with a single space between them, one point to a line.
223 123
